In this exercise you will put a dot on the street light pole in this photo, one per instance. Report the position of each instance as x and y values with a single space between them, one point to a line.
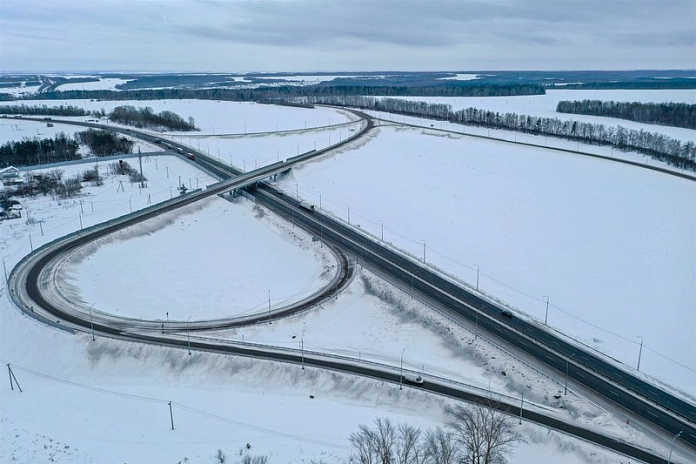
188 335
565 392
640 351
671 448
546 316
302 348
423 250
478 271
401 376
91 321
382 229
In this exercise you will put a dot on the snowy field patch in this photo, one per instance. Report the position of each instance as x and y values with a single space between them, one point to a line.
537 223
221 117
212 259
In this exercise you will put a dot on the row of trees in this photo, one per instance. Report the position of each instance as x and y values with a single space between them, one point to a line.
146 117
28 151
44 110
473 435
62 147
667 114
655 145
104 143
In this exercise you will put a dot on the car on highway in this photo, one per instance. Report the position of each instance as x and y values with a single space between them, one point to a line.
506 313
413 378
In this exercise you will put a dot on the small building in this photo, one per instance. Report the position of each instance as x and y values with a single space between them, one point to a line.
9 173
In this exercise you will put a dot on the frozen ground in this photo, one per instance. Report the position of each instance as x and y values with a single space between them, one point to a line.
545 106
15 129
58 217
106 401
109 404
537 223
216 117
249 152
374 321
228 257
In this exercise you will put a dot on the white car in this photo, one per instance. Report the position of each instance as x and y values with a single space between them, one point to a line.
413 378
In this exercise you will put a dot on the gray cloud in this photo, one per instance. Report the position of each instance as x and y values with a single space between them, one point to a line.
346 35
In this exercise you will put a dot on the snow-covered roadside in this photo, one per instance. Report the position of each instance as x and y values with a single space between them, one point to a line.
538 140
46 218
373 321
106 401
212 259
600 253
109 404
248 152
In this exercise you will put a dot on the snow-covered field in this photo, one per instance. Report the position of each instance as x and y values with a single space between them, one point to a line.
212 242
514 211
215 117
109 403
103 83
249 152
545 106
537 223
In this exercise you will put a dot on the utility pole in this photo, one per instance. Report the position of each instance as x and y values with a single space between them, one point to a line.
302 348
12 376
521 406
423 250
4 268
382 229
140 160
671 448
565 392
640 351
91 321
546 316
478 271
188 335
269 305
171 414
401 375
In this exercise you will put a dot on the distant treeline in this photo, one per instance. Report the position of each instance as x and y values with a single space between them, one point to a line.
28 152
674 83
667 114
270 94
655 145
146 117
62 147
44 110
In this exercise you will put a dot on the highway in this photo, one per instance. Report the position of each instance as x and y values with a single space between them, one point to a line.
586 368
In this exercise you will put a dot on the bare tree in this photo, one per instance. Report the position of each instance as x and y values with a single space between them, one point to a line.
438 447
408 446
485 434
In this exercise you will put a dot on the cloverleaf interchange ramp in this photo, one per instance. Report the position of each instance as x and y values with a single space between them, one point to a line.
588 369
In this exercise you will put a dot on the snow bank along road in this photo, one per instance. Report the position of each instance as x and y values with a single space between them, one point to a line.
654 405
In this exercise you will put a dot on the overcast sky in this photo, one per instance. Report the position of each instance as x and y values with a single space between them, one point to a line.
345 35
